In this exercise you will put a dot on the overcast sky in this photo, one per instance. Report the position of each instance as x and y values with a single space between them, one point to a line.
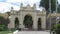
5 5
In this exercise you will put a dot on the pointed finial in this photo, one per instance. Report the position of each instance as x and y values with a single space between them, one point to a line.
34 6
21 4
11 8
28 5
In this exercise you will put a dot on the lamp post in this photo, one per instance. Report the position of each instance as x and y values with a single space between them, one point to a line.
57 20
56 14
50 14
57 17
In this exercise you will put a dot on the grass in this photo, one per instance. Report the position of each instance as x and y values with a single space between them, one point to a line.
7 32
4 32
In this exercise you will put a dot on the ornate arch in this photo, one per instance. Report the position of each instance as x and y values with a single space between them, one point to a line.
28 22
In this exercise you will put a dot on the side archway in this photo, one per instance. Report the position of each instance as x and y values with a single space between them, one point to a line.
28 22
39 23
16 23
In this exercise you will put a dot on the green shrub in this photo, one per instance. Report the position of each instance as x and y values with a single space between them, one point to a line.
56 28
2 27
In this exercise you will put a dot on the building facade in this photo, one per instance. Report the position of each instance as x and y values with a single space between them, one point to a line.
54 18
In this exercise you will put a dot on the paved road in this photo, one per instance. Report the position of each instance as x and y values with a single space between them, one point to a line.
33 32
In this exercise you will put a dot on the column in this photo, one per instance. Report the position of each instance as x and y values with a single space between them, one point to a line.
35 23
11 24
21 21
43 22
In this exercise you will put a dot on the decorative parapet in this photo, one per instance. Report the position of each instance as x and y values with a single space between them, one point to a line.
40 13
13 11
28 7
43 12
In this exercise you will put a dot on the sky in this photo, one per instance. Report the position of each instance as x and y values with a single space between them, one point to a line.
5 5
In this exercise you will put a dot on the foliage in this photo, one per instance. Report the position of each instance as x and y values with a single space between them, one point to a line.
4 32
58 8
8 13
56 26
3 20
2 27
28 22
45 4
58 29
1 17
3 23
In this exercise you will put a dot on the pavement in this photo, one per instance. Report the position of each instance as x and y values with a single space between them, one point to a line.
10 33
34 32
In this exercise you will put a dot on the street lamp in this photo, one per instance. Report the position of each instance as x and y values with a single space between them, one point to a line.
56 14
57 19
9 17
50 14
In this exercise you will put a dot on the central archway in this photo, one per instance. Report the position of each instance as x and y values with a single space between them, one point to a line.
28 22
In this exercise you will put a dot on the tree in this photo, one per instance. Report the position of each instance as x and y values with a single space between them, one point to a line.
1 19
59 8
57 29
45 4
3 23
8 13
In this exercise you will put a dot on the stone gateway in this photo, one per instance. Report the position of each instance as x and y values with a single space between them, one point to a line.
37 17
